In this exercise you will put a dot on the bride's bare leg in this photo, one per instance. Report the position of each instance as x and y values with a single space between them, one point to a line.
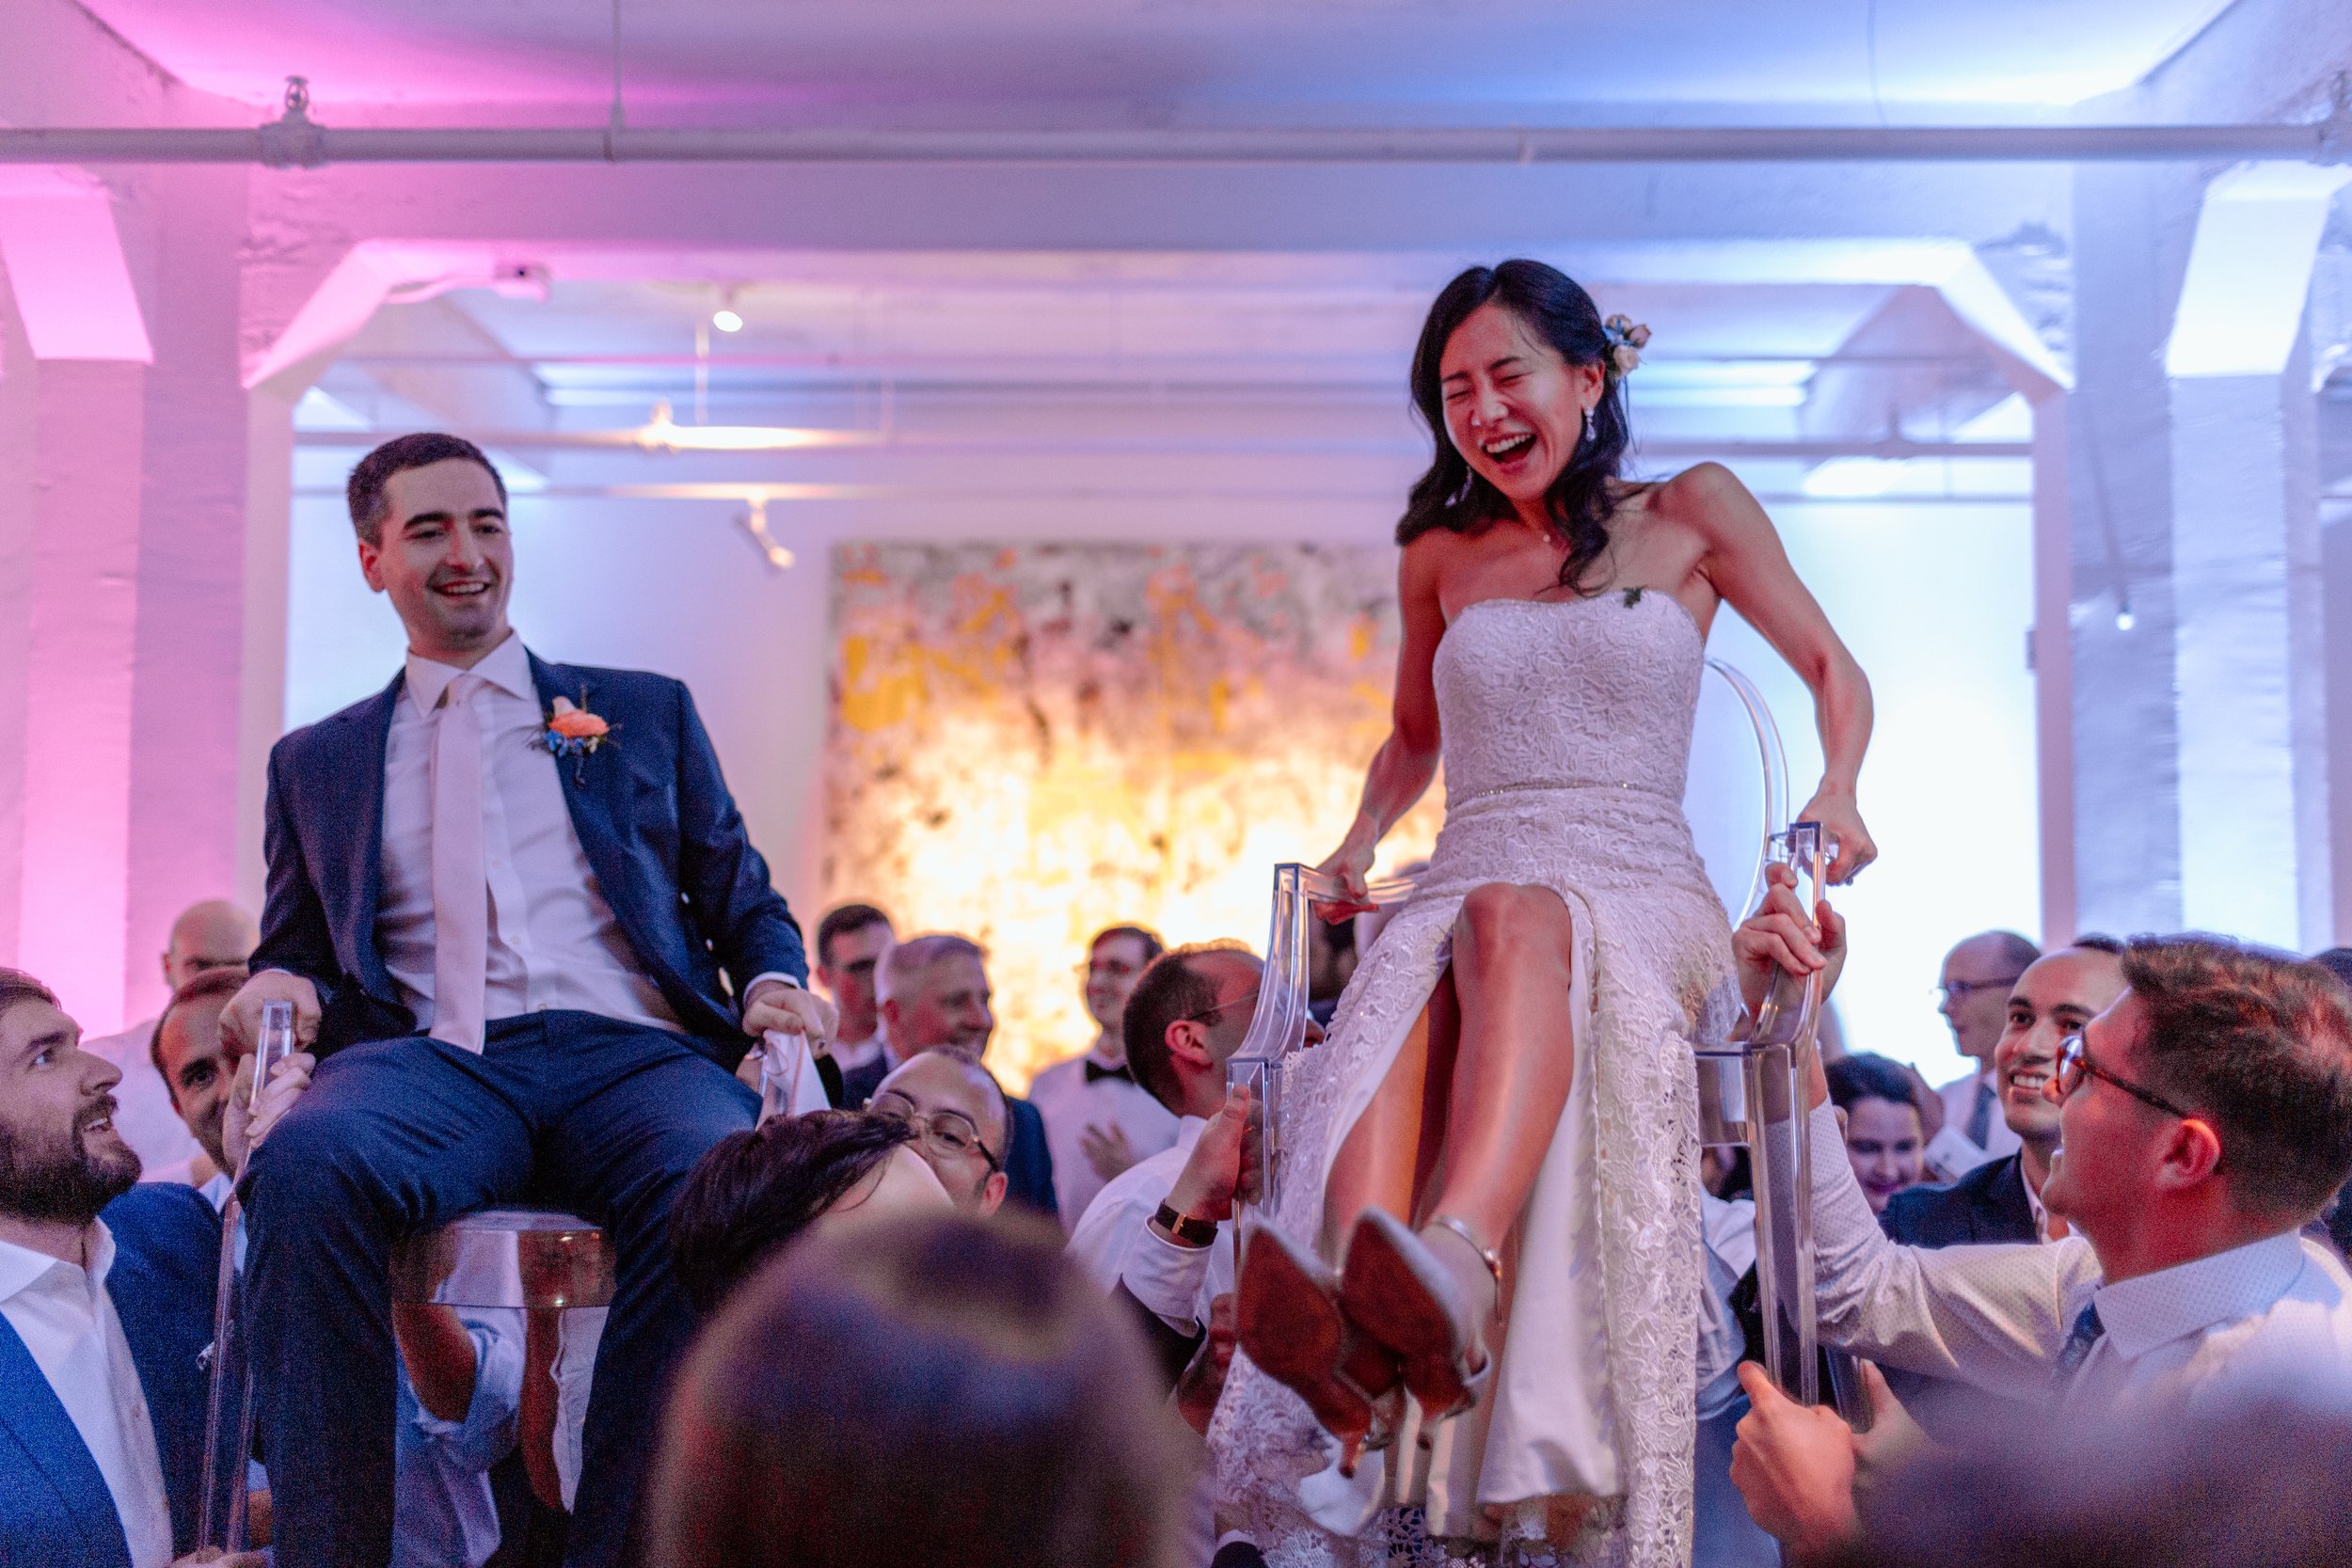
1512 961
1390 1153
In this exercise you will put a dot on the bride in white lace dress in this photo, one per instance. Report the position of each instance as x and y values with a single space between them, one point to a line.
1498 1136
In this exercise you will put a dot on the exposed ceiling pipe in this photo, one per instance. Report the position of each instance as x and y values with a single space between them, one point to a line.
1674 447
296 140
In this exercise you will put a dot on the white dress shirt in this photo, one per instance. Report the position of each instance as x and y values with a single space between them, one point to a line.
1071 1104
554 941
849 1056
2237 1321
143 1115
1114 1242
67 1321
1953 1150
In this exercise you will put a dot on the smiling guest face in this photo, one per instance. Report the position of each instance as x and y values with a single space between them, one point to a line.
1513 407
445 560
1883 1143
61 1159
2055 997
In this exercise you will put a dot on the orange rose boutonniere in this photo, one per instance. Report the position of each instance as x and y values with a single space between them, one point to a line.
573 732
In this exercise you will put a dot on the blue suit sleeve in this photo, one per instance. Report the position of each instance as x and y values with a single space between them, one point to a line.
730 900
294 933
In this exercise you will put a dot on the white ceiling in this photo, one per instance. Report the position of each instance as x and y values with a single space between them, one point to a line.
1298 61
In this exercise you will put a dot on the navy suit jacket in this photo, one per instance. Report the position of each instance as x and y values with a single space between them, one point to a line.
652 812
55 1509
1989 1204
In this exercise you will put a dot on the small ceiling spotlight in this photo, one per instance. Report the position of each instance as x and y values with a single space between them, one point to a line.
2125 619
727 318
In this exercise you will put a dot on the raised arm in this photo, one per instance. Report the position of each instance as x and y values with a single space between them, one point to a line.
1750 569
1408 760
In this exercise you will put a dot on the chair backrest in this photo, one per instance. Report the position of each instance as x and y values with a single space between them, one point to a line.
1737 800
520 1257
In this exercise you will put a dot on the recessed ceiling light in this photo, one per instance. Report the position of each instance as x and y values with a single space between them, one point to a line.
725 319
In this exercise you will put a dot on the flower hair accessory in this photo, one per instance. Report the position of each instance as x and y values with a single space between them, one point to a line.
572 732
1626 341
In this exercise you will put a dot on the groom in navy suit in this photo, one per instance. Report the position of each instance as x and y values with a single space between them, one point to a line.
525 934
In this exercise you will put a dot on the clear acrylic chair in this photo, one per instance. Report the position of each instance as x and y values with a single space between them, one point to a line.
528 1259
1752 1082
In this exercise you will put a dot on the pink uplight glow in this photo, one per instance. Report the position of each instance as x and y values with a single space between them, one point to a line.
65 265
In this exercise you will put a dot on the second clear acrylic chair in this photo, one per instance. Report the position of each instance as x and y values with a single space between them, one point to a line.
1751 1080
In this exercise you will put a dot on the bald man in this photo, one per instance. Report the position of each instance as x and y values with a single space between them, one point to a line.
214 934
1978 975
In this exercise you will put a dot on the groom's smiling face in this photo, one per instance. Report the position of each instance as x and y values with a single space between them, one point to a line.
445 559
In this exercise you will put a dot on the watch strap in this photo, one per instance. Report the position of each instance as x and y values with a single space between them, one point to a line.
1187 1230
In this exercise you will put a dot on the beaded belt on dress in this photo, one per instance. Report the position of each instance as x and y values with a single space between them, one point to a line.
1452 800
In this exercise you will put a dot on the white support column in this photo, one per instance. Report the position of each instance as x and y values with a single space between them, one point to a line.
2249 652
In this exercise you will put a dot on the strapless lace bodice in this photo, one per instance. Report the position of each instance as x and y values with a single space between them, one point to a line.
1569 691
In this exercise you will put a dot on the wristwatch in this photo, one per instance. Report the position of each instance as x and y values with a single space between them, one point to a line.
1183 1229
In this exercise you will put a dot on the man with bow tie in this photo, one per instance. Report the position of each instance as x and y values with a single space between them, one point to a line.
1098 1121
525 934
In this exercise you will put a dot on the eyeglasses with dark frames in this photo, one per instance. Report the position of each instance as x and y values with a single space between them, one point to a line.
950 1132
2074 1066
1205 1014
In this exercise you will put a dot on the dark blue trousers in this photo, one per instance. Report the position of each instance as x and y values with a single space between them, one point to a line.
594 1116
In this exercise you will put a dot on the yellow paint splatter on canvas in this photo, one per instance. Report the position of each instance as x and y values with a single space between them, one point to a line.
1030 743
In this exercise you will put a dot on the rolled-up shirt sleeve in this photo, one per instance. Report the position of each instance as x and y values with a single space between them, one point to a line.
488 1432
1166 1277
1993 1316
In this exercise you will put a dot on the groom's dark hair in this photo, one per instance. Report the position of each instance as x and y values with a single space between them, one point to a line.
364 491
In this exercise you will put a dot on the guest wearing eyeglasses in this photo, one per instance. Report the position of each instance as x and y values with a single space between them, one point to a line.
936 996
959 1113
1973 998
852 942
2205 1118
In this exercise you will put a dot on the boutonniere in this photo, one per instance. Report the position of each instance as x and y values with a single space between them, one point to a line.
571 731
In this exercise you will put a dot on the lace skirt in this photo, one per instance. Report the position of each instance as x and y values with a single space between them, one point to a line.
1581 1452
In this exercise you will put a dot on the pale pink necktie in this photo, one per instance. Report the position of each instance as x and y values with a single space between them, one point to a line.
461 886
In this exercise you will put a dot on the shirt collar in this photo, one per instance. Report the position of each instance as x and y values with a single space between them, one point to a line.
506 667
2188 1298
1188 1131
21 1267
2033 1202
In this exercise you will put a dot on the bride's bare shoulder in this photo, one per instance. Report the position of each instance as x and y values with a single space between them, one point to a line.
1710 498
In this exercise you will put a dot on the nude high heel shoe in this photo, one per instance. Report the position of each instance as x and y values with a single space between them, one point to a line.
1287 1316
1405 1296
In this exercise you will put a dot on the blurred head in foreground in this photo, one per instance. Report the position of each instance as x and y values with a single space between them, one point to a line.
918 1390
2235 1485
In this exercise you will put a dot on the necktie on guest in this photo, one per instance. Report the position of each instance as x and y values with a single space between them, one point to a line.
461 883
2085 1334
1981 1115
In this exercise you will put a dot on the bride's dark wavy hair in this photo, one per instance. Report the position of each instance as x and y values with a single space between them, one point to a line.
1451 495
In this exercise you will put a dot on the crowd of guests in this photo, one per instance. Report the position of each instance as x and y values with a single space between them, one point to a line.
1025 1301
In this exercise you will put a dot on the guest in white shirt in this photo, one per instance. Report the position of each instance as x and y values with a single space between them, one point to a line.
851 942
102 1319
2206 1118
1978 975
1159 1233
1097 1119
210 936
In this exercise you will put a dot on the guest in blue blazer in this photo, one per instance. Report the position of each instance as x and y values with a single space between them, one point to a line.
105 1310
526 935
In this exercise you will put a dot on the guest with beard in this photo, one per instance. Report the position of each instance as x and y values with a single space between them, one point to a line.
105 1311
